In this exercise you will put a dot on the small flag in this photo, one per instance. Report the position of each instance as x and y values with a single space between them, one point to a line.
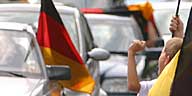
57 49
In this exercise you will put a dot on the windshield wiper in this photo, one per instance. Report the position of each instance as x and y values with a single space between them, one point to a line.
119 52
12 73
15 74
125 53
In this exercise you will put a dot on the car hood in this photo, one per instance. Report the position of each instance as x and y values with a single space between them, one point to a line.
116 65
11 86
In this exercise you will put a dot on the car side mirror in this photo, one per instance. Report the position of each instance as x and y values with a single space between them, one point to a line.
58 72
99 54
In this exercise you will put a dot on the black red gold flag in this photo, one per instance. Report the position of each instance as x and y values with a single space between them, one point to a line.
57 48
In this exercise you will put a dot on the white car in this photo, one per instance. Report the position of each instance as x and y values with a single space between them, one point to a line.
75 25
22 69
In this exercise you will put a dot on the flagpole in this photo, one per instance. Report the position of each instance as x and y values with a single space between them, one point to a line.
177 12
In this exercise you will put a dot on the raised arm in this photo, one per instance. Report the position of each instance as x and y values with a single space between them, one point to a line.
133 80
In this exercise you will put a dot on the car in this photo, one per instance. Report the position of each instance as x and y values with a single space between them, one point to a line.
22 69
115 34
75 25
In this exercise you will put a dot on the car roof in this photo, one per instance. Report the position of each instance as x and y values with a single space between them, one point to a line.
33 8
17 27
107 17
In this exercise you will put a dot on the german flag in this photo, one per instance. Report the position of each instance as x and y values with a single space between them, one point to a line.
176 78
57 49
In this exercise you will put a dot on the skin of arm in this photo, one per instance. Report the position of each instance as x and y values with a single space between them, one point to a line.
133 80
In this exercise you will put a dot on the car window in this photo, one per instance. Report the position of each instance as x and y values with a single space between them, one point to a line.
32 18
19 55
112 35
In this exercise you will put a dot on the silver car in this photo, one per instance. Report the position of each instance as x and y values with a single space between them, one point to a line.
75 25
22 69
115 33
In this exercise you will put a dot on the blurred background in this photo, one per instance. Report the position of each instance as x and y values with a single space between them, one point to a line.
94 3
117 31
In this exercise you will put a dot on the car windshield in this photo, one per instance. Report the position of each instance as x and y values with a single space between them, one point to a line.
163 17
32 18
113 34
19 56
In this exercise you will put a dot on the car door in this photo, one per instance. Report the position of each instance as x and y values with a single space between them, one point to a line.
88 45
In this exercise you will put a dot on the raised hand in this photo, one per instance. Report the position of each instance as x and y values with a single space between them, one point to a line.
136 46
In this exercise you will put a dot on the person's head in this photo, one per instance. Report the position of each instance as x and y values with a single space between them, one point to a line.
169 51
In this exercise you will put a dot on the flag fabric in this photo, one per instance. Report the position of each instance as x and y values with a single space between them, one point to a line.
145 19
145 8
57 49
182 82
176 78
165 79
